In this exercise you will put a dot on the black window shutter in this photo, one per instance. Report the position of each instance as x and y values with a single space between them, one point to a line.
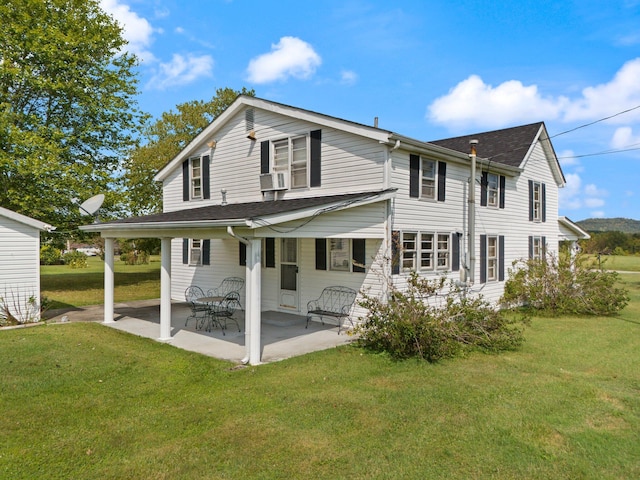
242 254
484 191
395 252
186 184
530 200
544 248
264 157
530 248
503 184
206 190
455 252
442 180
483 259
414 176
185 251
315 160
206 252
321 253
544 203
359 255
270 252
501 258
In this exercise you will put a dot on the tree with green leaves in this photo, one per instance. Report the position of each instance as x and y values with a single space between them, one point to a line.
162 140
68 110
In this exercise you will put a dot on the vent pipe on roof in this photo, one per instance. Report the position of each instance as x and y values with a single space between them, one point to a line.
375 122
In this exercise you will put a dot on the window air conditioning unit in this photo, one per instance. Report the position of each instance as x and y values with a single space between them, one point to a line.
273 181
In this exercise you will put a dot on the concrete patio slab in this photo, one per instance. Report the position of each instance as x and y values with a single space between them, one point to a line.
283 335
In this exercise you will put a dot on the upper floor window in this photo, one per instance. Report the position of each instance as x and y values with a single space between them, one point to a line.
427 178
537 202
492 189
196 177
290 161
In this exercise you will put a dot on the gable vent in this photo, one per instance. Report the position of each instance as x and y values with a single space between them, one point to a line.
248 119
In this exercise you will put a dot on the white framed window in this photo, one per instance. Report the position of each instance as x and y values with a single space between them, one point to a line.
290 161
426 251
443 251
409 248
195 252
195 166
493 189
339 254
537 248
492 258
428 178
537 202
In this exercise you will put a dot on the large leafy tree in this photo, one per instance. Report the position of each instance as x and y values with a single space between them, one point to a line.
162 140
68 111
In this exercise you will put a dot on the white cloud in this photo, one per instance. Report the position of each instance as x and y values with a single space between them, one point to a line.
597 214
569 196
348 77
621 93
136 30
623 137
567 159
594 191
472 102
593 202
290 57
181 71
469 102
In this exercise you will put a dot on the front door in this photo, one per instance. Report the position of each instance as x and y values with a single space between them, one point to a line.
289 273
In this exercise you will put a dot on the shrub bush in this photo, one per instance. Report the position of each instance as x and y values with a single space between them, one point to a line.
134 257
50 255
75 259
410 325
564 285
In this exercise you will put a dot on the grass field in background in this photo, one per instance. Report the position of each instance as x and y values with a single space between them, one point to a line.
67 287
627 263
82 400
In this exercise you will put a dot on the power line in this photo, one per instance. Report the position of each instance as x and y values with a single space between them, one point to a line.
596 121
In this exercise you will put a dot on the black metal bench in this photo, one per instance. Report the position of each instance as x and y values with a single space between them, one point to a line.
335 302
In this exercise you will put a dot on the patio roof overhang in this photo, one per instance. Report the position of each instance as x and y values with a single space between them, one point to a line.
213 220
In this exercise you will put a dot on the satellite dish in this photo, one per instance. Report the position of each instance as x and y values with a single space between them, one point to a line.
91 205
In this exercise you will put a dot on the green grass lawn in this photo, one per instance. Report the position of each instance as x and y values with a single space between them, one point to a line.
627 263
67 287
85 401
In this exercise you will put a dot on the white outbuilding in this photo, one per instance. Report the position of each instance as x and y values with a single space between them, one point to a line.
20 266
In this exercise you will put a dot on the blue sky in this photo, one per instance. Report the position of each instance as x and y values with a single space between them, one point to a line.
428 69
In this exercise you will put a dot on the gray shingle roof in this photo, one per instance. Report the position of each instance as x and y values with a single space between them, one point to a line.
242 211
507 146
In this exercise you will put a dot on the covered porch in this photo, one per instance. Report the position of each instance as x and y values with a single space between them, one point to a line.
363 215
283 335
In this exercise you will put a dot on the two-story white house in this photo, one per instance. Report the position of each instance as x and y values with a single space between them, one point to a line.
294 201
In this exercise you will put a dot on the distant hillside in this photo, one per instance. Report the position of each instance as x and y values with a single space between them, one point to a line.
625 225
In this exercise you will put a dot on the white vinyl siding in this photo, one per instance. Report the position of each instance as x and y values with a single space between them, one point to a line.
19 262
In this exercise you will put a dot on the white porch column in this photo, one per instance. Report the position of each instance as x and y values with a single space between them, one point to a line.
165 290
253 314
108 280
